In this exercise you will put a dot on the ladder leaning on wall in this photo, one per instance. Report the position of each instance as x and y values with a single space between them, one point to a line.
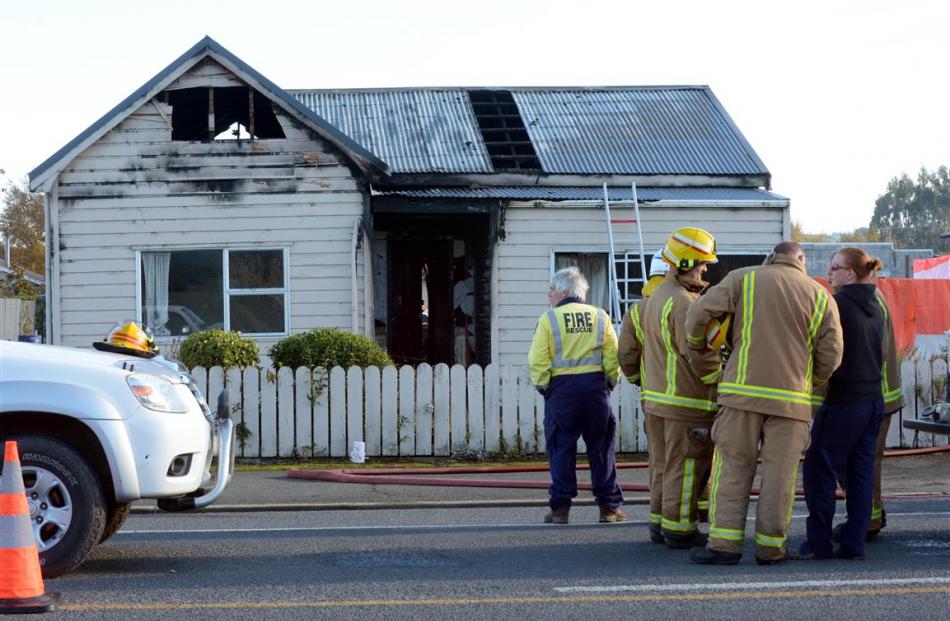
612 257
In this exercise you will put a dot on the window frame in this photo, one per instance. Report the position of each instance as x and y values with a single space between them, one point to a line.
226 284
626 252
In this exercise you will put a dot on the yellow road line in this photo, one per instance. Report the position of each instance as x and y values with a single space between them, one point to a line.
566 599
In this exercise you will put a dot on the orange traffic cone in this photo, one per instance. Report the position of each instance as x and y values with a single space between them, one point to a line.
21 585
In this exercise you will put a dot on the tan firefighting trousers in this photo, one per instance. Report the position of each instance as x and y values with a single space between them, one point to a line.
877 505
656 460
680 473
737 434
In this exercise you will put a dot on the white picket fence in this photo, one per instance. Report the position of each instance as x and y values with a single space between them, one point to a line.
442 411
422 411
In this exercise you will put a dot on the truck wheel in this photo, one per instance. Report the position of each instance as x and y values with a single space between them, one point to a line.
66 503
115 518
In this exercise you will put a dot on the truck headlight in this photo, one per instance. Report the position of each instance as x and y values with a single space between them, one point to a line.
156 393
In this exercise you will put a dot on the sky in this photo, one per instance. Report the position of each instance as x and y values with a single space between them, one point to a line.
837 98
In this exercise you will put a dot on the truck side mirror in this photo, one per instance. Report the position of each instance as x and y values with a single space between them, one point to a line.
224 406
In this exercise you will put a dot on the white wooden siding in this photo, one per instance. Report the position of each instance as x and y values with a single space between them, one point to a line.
534 230
136 190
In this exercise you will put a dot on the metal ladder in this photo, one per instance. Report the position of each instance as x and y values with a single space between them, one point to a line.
612 267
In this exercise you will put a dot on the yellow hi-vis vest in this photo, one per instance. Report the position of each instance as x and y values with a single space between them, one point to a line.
573 339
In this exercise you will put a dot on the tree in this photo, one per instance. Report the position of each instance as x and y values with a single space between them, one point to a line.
23 226
861 234
799 234
913 214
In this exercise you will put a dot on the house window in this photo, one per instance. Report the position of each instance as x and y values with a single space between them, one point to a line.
186 291
229 113
594 267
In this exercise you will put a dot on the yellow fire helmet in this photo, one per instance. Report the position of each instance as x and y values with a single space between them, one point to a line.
689 246
129 338
719 334
658 269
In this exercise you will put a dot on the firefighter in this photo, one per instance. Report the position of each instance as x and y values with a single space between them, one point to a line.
893 403
787 338
845 430
573 364
630 352
679 402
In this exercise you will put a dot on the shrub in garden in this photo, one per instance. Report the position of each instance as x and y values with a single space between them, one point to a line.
328 347
218 348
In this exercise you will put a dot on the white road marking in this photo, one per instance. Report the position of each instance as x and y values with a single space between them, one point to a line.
752 586
523 526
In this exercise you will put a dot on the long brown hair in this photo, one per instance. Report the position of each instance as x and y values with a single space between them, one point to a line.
864 265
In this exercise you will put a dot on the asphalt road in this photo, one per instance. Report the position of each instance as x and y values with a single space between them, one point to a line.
488 563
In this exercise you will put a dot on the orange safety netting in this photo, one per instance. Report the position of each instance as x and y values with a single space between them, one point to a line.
916 306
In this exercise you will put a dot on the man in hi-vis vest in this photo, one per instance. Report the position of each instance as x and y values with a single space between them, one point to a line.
573 362
787 338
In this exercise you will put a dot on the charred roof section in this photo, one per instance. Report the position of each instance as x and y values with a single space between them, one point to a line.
503 131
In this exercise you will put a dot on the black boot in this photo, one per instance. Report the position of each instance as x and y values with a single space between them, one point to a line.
708 556
685 542
656 534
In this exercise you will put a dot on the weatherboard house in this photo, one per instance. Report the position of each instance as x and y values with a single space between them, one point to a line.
430 219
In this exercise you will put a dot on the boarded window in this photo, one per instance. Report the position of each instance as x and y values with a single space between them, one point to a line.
232 113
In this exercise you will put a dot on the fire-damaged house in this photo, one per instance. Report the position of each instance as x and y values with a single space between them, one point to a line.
428 218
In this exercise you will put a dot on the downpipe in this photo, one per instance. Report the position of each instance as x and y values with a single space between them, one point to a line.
354 247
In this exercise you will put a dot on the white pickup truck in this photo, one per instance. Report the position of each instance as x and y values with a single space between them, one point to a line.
98 431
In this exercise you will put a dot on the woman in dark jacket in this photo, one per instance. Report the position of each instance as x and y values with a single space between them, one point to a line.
845 429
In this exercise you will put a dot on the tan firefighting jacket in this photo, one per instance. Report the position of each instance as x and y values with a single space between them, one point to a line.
630 345
891 371
670 387
786 333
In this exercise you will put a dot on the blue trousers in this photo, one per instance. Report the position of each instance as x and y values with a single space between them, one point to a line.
842 440
577 406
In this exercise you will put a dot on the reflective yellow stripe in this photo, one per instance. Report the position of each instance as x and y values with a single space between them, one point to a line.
817 400
633 378
892 396
686 402
686 494
748 306
695 340
765 392
668 342
768 541
816 317
715 532
712 378
679 527
726 533
702 504
635 320
656 518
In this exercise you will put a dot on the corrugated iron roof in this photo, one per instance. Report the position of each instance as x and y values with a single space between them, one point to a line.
594 194
424 130
595 130
636 131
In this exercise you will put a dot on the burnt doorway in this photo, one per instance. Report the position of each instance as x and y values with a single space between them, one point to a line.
439 255
421 318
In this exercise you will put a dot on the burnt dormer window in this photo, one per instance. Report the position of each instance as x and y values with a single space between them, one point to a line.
231 113
503 131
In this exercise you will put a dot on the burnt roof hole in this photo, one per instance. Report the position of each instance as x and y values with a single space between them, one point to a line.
503 130
231 109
